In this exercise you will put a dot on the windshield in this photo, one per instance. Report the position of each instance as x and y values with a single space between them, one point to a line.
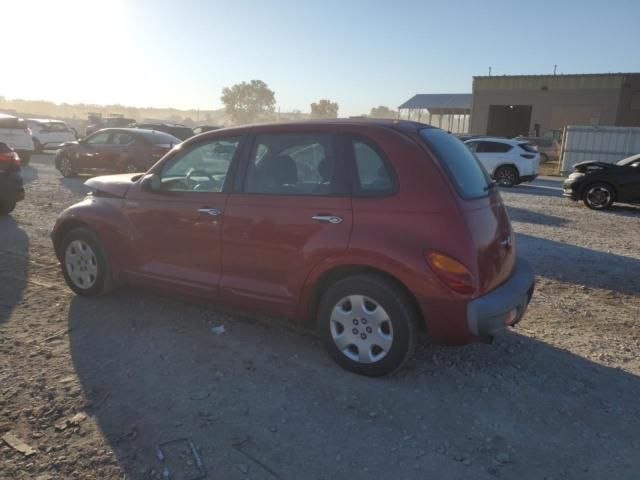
464 169
629 160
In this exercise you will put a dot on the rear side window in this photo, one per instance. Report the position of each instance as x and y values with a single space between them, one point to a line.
527 147
374 176
466 173
492 147
11 122
294 164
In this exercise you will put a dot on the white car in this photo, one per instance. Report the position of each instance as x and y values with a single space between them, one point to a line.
509 162
49 134
15 133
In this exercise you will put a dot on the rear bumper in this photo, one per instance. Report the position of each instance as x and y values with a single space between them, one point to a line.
504 306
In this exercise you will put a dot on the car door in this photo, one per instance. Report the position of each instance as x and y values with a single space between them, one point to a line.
114 154
176 229
89 155
290 210
492 154
629 183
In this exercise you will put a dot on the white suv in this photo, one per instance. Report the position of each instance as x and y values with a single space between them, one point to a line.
509 162
49 134
15 133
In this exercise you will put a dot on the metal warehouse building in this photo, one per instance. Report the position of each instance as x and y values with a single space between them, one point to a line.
535 105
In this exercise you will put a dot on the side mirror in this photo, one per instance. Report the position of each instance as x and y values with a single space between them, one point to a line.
151 182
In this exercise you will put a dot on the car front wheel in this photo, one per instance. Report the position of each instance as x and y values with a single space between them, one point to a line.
85 265
598 196
66 167
368 325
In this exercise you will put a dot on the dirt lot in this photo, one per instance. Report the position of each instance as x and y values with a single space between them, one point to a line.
555 398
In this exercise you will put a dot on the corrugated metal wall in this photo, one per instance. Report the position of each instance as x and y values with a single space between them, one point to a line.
601 144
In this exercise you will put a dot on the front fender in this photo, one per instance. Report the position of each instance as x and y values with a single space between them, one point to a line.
102 215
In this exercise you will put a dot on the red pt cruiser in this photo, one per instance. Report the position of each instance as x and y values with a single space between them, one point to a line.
371 230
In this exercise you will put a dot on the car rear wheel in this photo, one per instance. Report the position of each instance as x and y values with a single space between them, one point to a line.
7 207
544 158
85 265
598 196
507 176
66 167
368 325
37 146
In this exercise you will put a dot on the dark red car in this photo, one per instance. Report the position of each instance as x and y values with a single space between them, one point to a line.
11 187
114 150
371 230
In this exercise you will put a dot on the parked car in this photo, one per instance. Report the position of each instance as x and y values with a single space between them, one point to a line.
179 131
600 184
548 147
371 230
509 162
11 188
15 133
49 134
114 150
204 128
109 122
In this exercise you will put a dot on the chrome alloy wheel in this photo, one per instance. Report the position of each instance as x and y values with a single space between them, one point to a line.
65 167
81 264
361 329
598 196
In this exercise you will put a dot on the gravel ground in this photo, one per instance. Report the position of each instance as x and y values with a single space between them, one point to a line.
97 387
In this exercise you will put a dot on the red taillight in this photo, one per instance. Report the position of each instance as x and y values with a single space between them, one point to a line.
453 273
528 156
9 161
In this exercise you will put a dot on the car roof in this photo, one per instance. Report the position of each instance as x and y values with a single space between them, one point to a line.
508 141
45 120
336 122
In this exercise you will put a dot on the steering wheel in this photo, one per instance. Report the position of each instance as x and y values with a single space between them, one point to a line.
197 173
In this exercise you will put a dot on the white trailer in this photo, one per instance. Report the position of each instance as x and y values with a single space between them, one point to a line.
602 144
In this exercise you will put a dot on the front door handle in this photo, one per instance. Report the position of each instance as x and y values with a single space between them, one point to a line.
327 218
214 212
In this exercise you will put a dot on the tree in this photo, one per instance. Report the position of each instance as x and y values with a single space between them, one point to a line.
248 102
324 109
383 112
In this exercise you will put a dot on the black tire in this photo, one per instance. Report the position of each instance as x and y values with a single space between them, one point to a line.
66 167
507 176
37 146
544 158
598 196
399 310
103 283
7 207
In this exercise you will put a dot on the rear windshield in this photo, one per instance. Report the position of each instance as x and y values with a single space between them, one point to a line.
12 122
527 147
470 179
155 137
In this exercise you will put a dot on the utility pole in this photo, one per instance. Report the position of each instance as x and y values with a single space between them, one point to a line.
554 69
489 71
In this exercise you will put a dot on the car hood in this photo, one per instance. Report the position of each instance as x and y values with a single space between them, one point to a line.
591 166
112 185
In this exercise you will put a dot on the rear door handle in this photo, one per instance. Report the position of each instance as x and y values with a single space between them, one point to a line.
327 218
214 212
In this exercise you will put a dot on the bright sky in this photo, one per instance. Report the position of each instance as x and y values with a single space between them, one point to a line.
360 53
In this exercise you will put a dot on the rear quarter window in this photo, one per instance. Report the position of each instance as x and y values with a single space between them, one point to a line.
468 176
11 122
527 147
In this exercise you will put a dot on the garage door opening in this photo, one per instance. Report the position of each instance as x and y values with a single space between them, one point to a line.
509 120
